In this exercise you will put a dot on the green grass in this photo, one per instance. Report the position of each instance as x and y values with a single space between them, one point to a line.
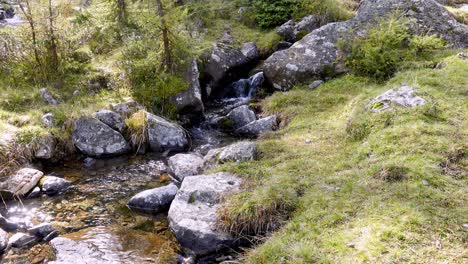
341 195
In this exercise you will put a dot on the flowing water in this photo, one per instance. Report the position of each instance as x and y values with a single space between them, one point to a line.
92 214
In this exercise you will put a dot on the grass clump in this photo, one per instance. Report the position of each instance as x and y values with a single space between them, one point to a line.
328 199
386 48
137 128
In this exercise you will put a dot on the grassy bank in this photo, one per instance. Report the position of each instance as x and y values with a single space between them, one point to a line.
348 186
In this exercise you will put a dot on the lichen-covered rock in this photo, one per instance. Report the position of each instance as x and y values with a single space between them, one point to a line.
112 119
258 127
52 185
189 103
23 181
241 116
240 151
193 213
404 96
153 201
165 136
317 53
183 165
96 139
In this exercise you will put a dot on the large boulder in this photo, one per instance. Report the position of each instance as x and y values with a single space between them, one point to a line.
193 213
22 182
224 64
153 201
189 103
112 119
96 139
258 127
316 55
126 109
165 136
183 165
241 116
52 185
240 151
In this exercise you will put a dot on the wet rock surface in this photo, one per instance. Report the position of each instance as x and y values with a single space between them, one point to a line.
153 201
23 181
52 185
21 240
241 116
3 240
96 139
193 213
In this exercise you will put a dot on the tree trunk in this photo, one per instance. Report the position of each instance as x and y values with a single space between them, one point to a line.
32 27
121 16
165 35
53 40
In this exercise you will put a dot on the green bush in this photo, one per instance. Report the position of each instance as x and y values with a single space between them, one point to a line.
271 13
386 48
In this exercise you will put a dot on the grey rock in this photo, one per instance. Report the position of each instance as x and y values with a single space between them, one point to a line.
126 109
89 162
45 147
193 213
23 181
212 156
317 53
153 201
3 240
224 64
315 84
48 97
291 30
241 116
165 136
250 51
48 120
76 92
8 225
41 231
189 103
282 45
36 192
403 96
22 240
96 139
112 119
240 151
258 127
183 165
52 185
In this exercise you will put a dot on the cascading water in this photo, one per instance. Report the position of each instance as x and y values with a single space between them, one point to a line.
207 134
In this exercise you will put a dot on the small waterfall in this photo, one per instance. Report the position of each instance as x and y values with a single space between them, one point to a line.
245 88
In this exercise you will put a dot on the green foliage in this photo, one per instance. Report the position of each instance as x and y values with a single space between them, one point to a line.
270 13
386 48
328 10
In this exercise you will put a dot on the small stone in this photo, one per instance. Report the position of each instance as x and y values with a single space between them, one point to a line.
425 183
42 230
308 141
315 84
465 226
3 240
36 192
76 93
8 225
48 120
153 201
48 97
89 162
52 185
241 151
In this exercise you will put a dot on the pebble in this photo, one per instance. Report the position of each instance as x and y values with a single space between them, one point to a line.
425 183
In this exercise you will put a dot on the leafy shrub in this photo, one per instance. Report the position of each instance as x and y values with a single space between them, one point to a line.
385 48
270 13
391 173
